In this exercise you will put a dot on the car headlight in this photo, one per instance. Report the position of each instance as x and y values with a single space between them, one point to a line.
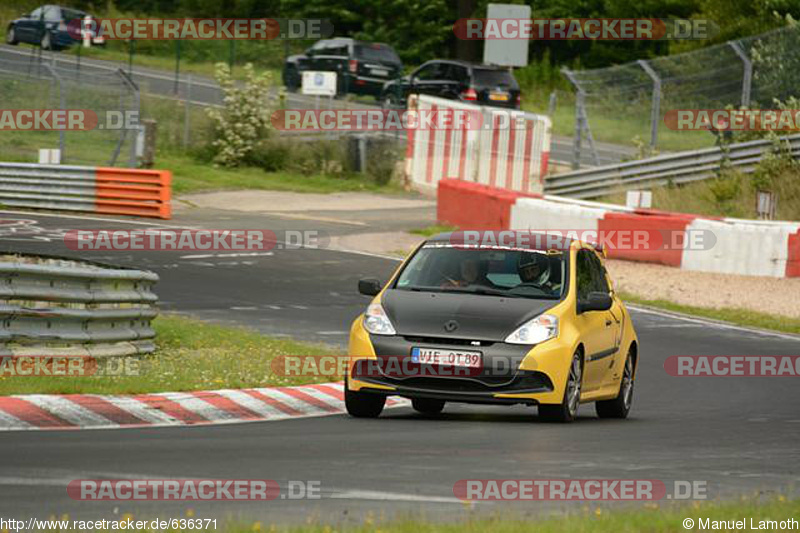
540 329
376 321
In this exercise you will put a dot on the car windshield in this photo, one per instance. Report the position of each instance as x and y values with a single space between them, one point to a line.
490 271
493 78
376 52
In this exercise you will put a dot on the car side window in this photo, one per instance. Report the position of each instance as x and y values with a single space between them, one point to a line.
584 278
52 14
428 72
599 280
457 73
336 50
36 13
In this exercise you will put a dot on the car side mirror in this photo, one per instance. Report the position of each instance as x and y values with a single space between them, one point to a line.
596 301
369 286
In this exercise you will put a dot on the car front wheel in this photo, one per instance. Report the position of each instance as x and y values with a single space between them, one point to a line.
363 404
11 38
568 408
291 78
47 43
620 406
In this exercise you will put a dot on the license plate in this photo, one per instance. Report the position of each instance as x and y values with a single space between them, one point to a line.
434 356
498 97
379 72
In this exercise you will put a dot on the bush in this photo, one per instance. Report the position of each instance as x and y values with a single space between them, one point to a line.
244 119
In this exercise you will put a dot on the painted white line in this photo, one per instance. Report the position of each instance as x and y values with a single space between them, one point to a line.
390 496
141 410
712 323
67 410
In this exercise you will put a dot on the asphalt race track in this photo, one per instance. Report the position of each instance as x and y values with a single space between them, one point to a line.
739 435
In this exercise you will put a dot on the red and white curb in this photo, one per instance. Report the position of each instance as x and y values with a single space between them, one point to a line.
226 406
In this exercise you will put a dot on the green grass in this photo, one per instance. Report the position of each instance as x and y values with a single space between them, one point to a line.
733 195
645 518
432 230
191 355
737 316
191 176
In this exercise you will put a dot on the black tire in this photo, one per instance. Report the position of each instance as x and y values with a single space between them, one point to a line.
11 37
291 78
427 406
363 404
568 408
620 406
47 41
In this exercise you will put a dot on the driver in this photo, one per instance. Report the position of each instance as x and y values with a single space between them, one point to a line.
469 272
533 268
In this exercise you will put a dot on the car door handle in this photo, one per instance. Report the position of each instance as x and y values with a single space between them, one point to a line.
608 322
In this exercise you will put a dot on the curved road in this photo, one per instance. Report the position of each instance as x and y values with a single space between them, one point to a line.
739 435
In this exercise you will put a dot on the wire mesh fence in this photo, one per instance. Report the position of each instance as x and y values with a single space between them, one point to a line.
40 84
627 102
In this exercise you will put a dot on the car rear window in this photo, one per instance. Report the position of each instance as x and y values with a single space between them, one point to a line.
376 52
71 14
487 77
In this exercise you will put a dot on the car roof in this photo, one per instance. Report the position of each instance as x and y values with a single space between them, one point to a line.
458 238
468 64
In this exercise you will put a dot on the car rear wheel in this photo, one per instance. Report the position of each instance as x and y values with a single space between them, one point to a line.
568 408
291 78
11 38
620 406
427 406
363 404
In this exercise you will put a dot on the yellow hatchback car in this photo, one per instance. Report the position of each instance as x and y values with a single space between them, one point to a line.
515 321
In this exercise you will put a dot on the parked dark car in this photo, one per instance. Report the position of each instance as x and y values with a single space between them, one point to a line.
456 80
361 67
51 27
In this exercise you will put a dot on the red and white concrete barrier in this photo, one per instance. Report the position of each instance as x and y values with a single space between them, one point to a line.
506 149
730 246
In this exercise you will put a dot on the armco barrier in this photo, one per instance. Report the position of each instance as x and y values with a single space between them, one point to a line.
94 189
750 247
675 168
52 306
496 154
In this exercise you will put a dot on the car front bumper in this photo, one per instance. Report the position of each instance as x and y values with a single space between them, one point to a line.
511 373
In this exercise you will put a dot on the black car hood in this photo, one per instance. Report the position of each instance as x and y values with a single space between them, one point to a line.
479 317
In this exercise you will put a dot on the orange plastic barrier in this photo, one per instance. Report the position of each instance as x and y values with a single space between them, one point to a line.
124 191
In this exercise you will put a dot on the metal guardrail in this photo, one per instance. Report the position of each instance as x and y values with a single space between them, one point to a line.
676 168
64 187
57 307
107 190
